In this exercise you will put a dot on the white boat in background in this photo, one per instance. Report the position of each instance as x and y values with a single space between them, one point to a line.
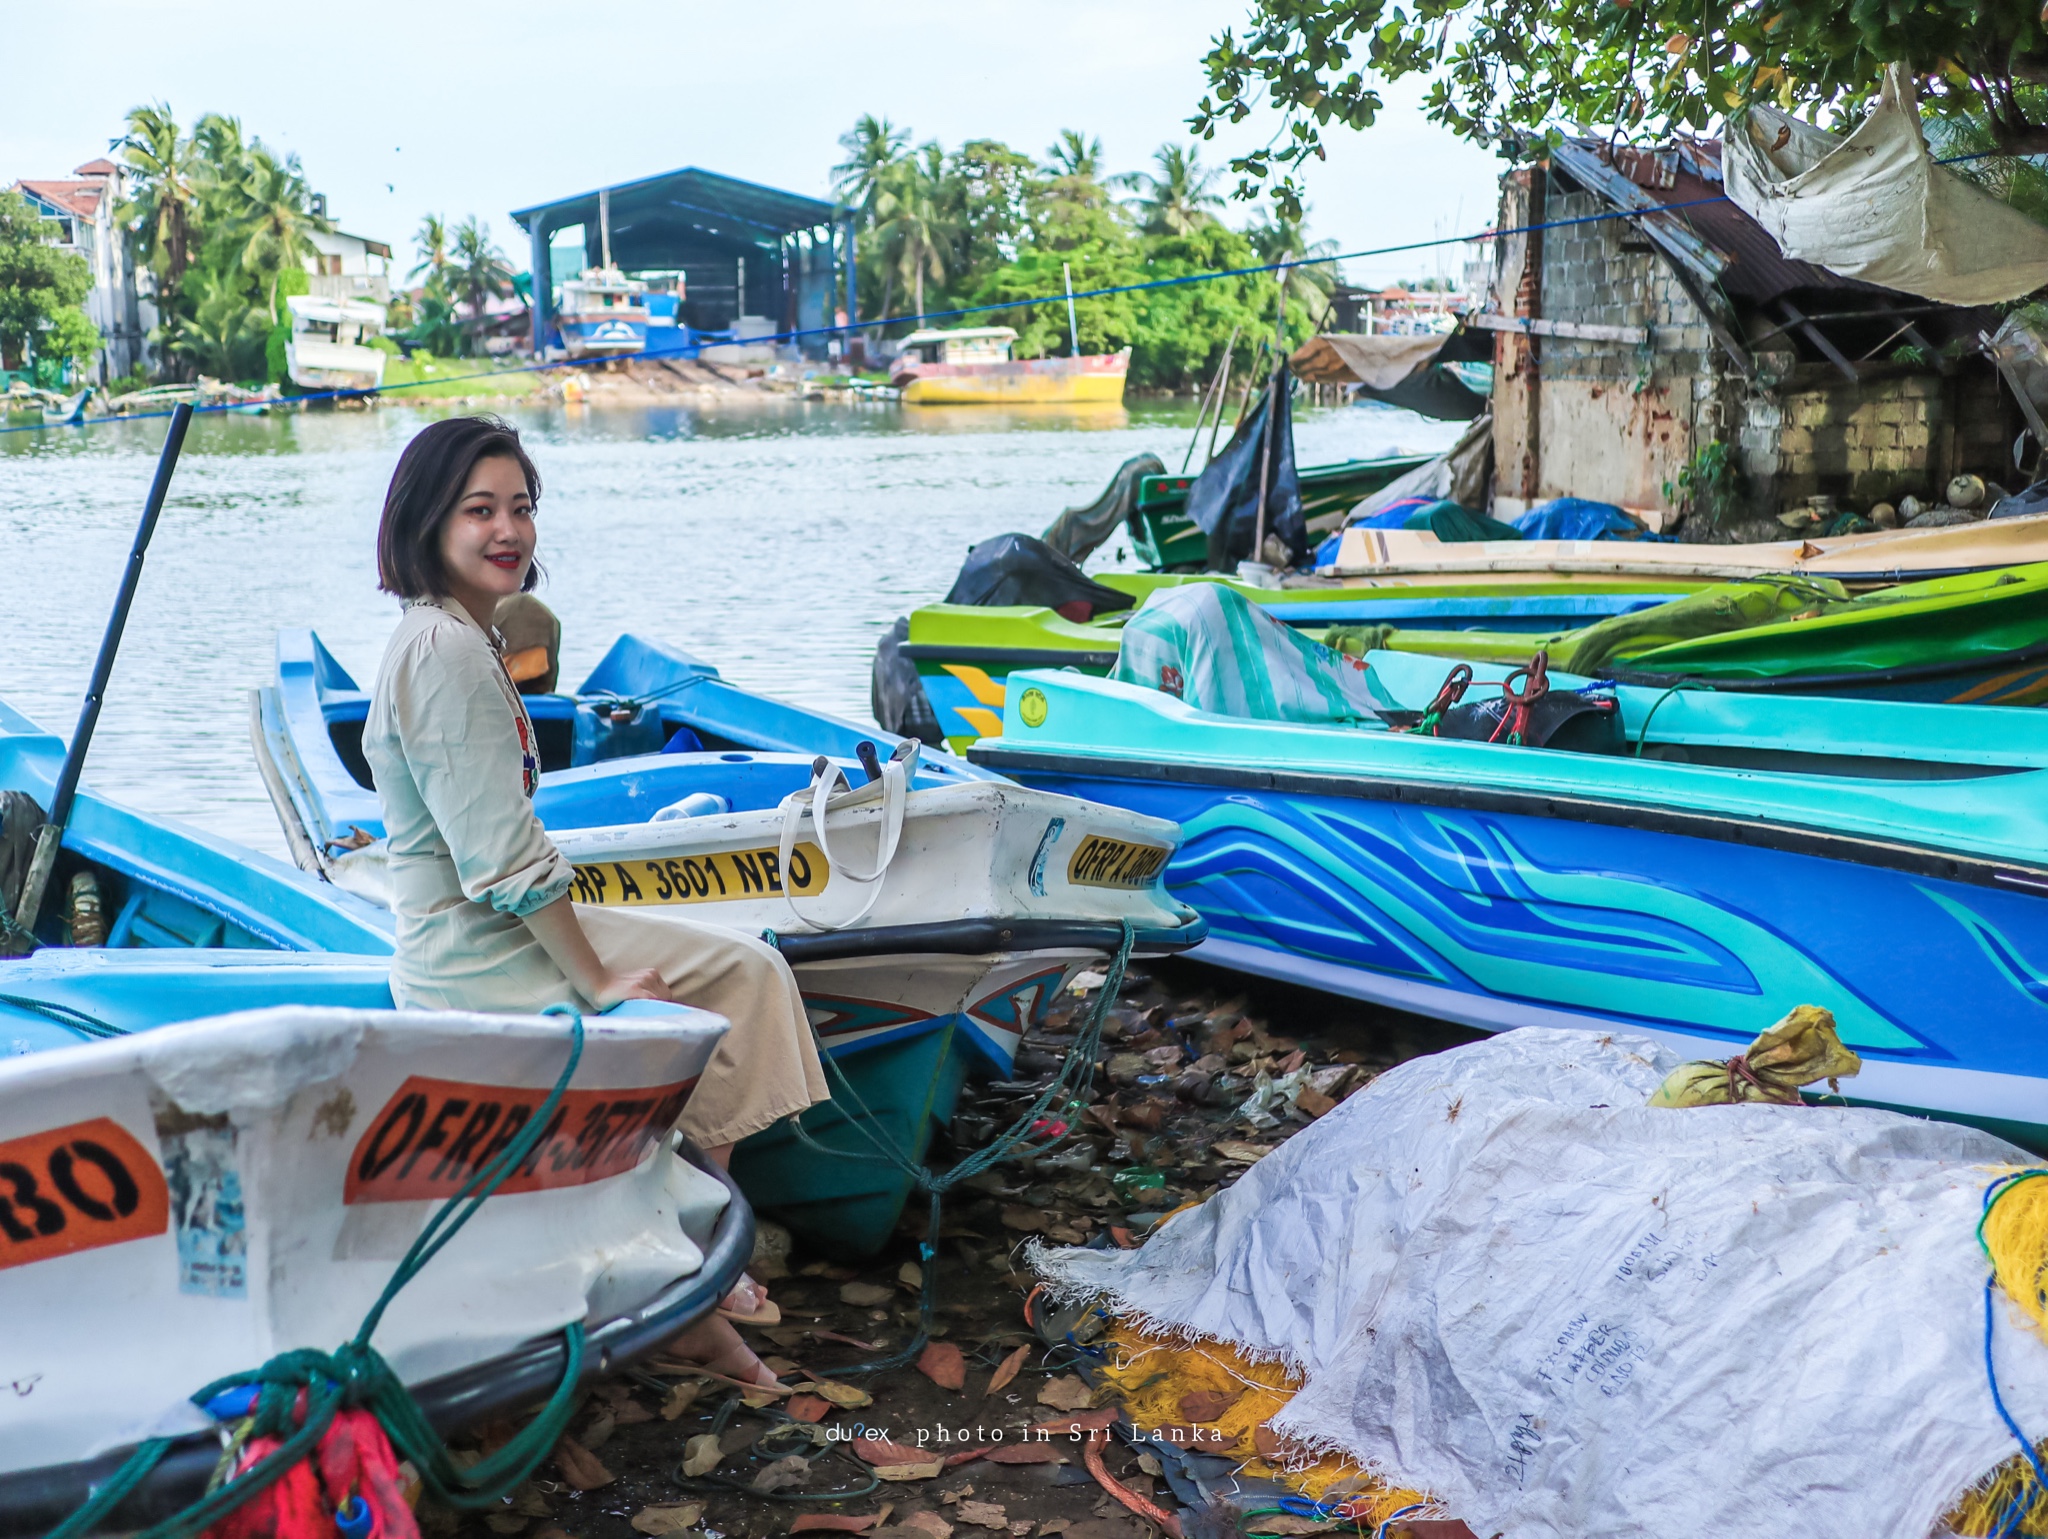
190 1200
603 313
328 348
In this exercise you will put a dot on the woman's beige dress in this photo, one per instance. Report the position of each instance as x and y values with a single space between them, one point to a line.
451 749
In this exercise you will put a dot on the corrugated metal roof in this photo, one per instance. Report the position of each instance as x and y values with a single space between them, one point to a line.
1689 172
686 204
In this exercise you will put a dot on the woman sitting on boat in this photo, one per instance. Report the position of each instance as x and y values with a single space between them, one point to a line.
479 890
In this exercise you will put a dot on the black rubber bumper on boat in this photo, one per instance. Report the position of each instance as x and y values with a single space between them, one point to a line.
35 1501
973 937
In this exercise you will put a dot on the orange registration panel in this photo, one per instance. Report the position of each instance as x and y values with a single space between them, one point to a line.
1103 862
76 1188
720 877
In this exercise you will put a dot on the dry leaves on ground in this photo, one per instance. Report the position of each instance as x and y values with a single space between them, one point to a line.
983 1514
783 1472
1066 1393
1006 1370
598 1431
1025 1220
807 1408
927 1469
1023 1453
911 1275
845 1396
929 1523
701 1455
668 1520
833 1523
864 1295
879 1451
942 1363
1238 1152
579 1466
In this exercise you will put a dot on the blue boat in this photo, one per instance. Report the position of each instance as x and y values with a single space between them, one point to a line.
1724 859
905 1004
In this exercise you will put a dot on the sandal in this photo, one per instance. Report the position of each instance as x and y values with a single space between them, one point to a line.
749 1304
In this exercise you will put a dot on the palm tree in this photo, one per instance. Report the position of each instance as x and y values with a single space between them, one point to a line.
1178 200
277 220
914 227
163 164
1077 155
1284 240
432 242
872 145
477 270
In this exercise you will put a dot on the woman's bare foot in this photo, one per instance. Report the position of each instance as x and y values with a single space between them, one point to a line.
716 1347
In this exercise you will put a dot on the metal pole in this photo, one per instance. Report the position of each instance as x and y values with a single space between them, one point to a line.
1272 414
51 834
1222 402
1218 383
539 265
604 225
1073 331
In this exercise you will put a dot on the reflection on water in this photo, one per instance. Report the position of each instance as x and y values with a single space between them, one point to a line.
777 540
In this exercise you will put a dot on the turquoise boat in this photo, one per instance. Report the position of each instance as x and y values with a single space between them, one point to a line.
1695 868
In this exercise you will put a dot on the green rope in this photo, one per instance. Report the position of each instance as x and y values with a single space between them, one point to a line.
1071 1085
76 1020
356 1375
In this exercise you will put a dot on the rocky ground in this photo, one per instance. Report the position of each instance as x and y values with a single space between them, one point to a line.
1200 1075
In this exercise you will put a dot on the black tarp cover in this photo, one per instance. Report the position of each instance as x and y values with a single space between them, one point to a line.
1224 500
1023 569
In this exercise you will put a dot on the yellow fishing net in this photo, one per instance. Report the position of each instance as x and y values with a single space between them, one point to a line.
2015 1236
1162 1381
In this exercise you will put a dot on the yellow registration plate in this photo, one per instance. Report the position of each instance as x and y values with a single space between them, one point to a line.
1101 862
722 877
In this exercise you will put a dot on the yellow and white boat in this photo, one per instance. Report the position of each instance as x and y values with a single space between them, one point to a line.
972 366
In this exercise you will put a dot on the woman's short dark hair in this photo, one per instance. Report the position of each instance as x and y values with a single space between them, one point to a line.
424 490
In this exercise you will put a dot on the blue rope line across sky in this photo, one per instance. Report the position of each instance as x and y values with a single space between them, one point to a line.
966 310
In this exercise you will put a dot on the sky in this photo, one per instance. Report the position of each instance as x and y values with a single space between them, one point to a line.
397 111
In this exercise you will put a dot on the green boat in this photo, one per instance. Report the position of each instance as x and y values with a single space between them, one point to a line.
963 653
1166 539
1980 638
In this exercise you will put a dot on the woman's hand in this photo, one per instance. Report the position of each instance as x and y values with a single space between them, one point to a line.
644 983
562 937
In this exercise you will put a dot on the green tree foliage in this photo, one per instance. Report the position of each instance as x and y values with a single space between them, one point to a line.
1506 73
432 244
41 289
988 225
477 270
226 224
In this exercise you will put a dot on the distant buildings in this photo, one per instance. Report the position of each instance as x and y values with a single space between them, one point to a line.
350 267
82 210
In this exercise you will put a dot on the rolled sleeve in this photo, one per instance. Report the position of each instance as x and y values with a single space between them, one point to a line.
460 738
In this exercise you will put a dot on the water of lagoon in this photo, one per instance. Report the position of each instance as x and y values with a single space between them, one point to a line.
777 540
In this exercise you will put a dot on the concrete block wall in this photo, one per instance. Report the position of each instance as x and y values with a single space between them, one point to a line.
1877 440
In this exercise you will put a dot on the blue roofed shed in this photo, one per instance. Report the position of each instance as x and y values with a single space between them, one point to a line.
741 249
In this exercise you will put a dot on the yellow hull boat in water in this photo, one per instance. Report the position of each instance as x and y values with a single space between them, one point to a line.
1096 378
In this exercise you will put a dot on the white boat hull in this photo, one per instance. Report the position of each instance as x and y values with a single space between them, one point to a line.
184 1203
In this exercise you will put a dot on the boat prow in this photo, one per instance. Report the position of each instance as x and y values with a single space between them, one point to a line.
206 1195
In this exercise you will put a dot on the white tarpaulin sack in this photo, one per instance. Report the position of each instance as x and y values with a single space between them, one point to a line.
1568 1315
1875 206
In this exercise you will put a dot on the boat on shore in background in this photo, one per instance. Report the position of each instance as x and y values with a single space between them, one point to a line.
603 314
329 344
972 366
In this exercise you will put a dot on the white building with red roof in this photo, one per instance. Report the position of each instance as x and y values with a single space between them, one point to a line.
81 210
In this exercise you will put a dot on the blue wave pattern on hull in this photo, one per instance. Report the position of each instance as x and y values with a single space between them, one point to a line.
1723 938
